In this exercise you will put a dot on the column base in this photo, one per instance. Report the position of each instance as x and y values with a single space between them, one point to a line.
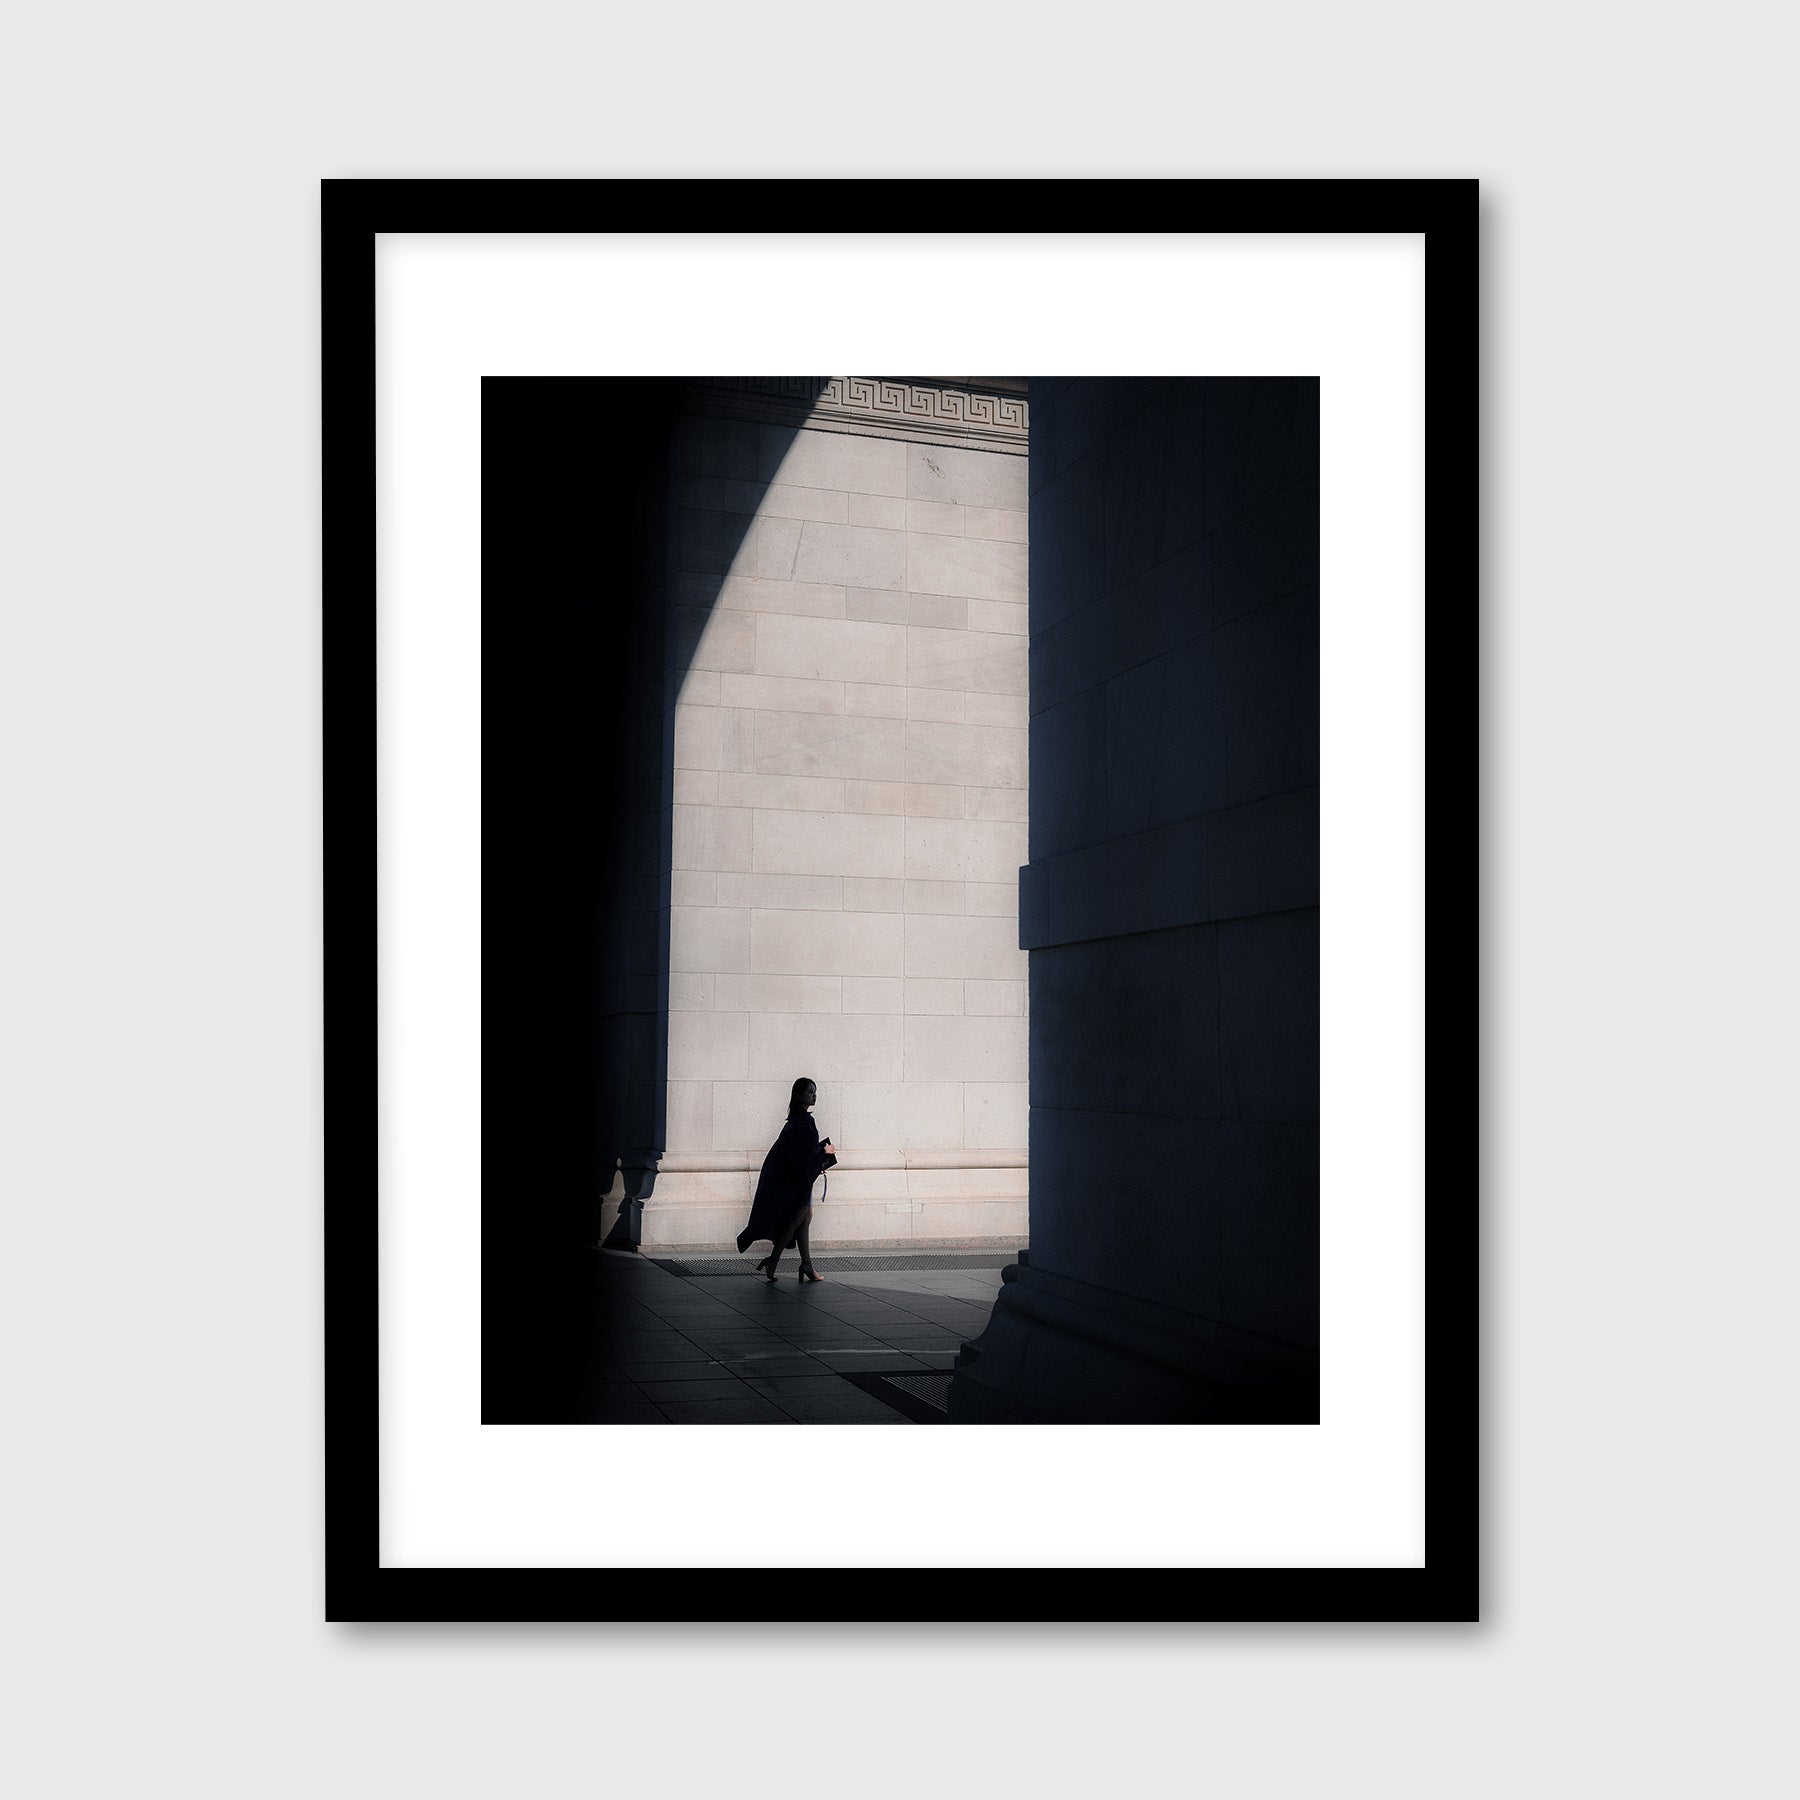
1065 1352
920 1197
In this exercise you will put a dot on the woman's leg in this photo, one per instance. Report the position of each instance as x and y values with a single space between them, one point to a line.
801 1238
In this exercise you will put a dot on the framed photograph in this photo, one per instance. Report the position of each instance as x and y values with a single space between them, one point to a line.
899 899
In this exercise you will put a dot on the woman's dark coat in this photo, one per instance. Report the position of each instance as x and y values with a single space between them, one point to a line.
784 1188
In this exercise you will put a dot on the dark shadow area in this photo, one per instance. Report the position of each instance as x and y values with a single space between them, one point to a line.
596 588
1170 908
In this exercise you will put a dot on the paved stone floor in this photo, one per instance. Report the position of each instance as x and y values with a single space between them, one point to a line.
729 1349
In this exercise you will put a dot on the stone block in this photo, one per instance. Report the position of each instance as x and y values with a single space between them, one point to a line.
1091 410
699 732
1190 758
985 948
874 797
737 740
1268 663
964 755
809 943
862 748
1261 436
699 687
694 887
943 612
712 737
1134 717
1267 1225
957 1221
934 703
800 599
862 894
830 459
777 993
934 516
844 1046
965 477
872 994
792 893
1153 483
996 710
909 1115
711 543
696 787
1263 857
1128 1024
720 494
729 448
748 1115
1268 1018
992 522
888 512
964 850
832 650
995 999
999 615
995 1115
974 568
853 555
782 693
1068 758
1068 542
711 1046
1147 882
972 1183
933 897
928 800
963 1049
710 939
875 702
1124 1201
690 1115
711 837
933 996
783 793
690 993
988 803
850 844
968 662
992 899
883 606
1269 551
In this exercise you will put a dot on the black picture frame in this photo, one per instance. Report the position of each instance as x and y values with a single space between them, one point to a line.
357 1587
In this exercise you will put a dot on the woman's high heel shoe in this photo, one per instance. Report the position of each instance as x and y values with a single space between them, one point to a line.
807 1274
763 1269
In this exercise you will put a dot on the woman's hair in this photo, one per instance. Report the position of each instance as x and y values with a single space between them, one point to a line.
797 1100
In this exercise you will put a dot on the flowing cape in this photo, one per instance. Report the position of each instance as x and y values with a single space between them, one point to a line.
784 1188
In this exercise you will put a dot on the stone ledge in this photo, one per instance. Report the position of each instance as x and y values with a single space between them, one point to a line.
1059 1350
925 411
1259 858
741 1161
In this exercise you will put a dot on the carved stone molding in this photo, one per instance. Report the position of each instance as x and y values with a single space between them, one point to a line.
923 410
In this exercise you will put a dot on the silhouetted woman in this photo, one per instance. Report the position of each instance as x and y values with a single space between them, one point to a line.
782 1209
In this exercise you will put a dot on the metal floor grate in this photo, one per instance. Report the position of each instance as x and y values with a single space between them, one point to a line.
849 1265
924 1396
933 1389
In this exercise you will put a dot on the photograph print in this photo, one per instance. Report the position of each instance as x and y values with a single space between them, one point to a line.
900 987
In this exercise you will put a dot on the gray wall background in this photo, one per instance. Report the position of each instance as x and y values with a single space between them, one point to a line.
162 1029
848 673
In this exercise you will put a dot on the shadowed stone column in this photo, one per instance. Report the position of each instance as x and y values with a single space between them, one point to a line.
1170 912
